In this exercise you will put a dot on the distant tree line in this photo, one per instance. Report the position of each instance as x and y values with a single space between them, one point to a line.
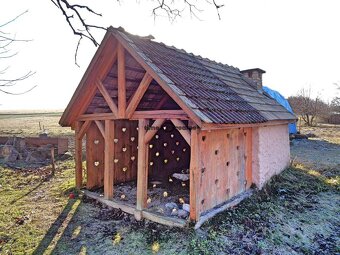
312 110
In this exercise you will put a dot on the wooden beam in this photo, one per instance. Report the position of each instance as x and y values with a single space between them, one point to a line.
249 156
184 131
210 126
100 127
142 167
164 220
159 114
121 82
83 129
165 98
97 116
117 205
195 173
108 159
230 203
107 97
78 157
153 130
137 96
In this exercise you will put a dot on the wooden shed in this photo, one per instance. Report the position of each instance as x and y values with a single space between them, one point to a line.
162 125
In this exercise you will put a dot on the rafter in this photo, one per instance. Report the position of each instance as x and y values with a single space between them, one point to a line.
107 97
164 99
137 96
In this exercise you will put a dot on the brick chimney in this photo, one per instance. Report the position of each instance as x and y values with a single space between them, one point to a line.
256 75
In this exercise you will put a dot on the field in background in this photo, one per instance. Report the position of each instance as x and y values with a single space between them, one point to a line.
27 124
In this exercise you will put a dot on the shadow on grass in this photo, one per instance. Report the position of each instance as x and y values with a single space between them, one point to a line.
27 193
54 229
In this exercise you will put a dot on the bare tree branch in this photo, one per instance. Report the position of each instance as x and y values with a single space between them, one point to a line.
6 40
19 93
72 14
14 19
76 21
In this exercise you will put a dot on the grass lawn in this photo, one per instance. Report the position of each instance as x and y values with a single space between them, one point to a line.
296 213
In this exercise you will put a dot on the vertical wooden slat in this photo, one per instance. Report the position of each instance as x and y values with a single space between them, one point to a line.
78 157
121 82
249 156
95 146
195 173
108 159
142 168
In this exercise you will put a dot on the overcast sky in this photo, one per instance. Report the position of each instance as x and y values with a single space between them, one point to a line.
296 42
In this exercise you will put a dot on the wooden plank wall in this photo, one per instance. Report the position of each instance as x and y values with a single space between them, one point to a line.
94 153
125 150
125 153
224 162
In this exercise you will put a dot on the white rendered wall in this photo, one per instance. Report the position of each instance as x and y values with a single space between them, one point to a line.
271 152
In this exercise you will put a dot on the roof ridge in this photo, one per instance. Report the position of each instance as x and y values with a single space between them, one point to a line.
172 47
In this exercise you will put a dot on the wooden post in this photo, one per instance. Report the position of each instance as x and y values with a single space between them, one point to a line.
249 156
121 82
142 167
78 157
108 159
195 173
52 161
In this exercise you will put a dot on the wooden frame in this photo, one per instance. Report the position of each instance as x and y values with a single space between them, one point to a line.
105 122
107 98
195 172
78 157
159 114
121 82
142 167
108 159
100 127
82 129
180 126
97 116
153 130
137 96
249 156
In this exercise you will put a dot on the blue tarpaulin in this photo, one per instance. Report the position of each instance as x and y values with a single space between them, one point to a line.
284 102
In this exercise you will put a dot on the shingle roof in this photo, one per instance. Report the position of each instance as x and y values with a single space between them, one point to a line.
216 92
